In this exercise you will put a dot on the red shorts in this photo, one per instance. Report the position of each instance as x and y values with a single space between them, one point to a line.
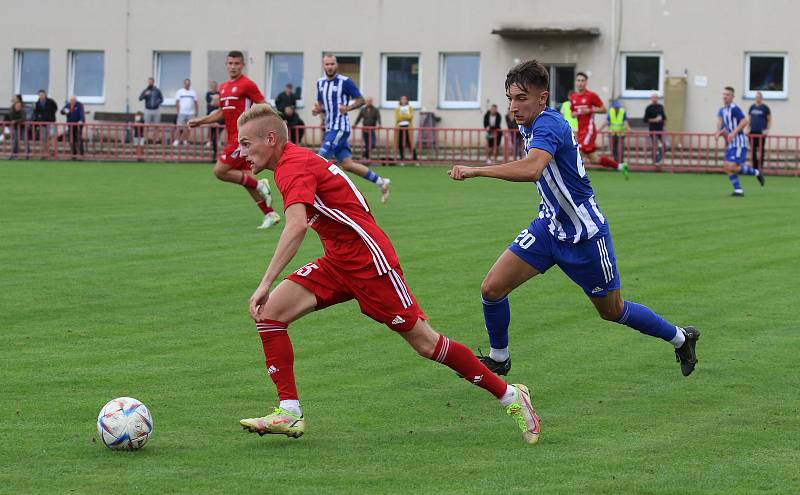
385 298
586 138
230 156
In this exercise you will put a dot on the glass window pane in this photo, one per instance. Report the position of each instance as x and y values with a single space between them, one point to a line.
766 73
87 70
563 85
461 75
402 77
641 73
287 68
173 69
34 71
350 66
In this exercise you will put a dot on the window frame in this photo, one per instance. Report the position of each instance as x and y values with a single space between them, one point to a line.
750 94
18 57
92 100
268 90
343 54
392 104
456 105
169 101
641 93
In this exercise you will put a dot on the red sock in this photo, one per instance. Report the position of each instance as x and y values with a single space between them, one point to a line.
608 162
279 357
461 360
248 181
262 205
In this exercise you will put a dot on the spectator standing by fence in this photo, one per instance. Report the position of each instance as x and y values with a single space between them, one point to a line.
371 118
186 104
138 135
212 104
514 136
403 120
617 123
655 117
492 123
760 122
45 111
76 117
287 98
153 99
294 124
17 116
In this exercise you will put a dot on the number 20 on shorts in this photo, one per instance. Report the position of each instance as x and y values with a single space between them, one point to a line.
525 239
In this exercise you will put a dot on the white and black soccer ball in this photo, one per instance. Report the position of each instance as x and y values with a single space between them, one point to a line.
124 424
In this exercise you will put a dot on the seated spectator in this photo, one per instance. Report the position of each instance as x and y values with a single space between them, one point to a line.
295 124
286 99
492 124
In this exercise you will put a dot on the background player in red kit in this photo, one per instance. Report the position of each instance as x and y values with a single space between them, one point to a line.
235 96
359 262
584 104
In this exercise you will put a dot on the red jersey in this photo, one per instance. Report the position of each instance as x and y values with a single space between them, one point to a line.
235 97
337 211
587 99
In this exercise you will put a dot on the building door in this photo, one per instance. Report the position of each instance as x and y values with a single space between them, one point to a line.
562 83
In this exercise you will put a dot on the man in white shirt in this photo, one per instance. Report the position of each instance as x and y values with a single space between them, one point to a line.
186 104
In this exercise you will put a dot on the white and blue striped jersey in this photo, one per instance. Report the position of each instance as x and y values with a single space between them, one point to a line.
732 116
334 92
568 203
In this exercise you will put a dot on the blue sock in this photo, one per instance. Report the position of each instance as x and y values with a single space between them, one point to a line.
646 321
737 186
497 315
372 176
745 170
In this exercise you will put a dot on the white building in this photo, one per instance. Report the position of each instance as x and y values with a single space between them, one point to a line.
449 56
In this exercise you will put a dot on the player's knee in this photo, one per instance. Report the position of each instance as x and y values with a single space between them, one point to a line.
611 313
491 291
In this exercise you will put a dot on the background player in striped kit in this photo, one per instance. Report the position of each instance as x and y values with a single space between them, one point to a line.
236 96
359 262
570 230
731 122
334 95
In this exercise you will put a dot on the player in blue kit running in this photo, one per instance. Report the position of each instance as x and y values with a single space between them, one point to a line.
731 122
570 230
334 95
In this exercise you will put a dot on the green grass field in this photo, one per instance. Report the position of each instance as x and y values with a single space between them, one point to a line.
122 279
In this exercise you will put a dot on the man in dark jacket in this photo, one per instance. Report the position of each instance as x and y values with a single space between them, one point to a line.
76 117
286 99
44 110
371 117
492 124
153 99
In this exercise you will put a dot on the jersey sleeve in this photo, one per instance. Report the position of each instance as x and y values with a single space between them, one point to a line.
319 94
545 137
350 89
737 112
596 101
297 184
254 93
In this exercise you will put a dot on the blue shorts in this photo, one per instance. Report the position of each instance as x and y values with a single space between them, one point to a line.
736 154
335 145
590 264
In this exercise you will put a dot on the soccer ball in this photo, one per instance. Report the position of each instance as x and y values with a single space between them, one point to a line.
124 424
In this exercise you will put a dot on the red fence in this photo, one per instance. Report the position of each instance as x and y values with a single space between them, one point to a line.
671 152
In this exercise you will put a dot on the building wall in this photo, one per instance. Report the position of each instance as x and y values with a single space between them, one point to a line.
685 32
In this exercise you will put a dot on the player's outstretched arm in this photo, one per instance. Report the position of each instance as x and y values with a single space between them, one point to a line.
212 118
525 170
294 231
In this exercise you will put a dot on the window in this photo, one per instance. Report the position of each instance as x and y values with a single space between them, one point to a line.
562 83
171 68
283 69
86 76
641 75
31 73
768 73
459 80
400 78
349 65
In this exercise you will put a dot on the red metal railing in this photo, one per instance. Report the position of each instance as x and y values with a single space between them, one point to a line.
664 151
